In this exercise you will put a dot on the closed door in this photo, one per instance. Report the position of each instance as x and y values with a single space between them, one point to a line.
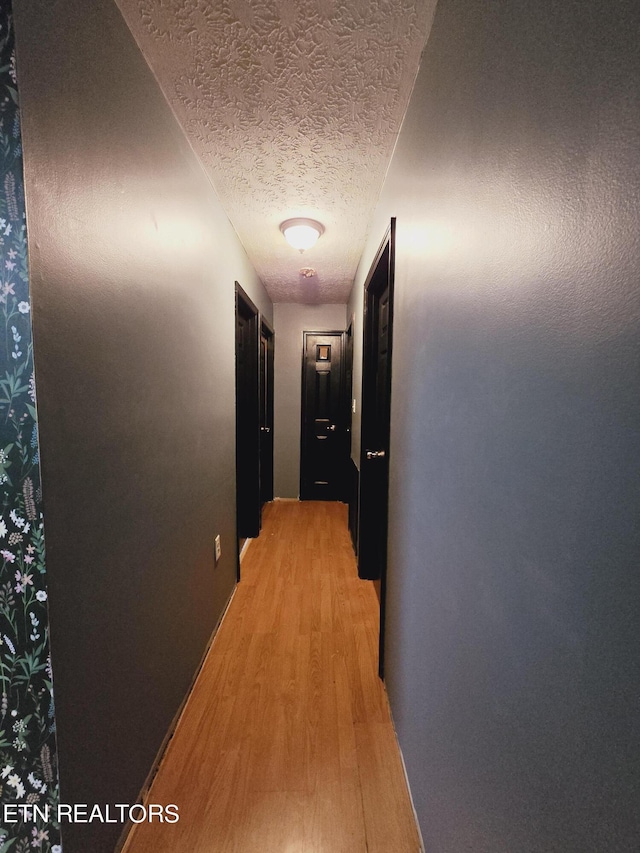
376 415
324 450
247 417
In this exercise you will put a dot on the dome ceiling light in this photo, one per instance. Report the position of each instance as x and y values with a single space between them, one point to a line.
302 233
266 144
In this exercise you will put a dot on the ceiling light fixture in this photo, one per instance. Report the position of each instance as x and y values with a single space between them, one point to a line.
302 233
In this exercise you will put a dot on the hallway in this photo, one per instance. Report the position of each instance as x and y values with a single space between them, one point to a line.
286 743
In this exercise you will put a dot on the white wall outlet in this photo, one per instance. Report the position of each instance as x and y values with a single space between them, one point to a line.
218 547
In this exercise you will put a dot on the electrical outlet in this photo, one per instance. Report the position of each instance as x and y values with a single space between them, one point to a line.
218 547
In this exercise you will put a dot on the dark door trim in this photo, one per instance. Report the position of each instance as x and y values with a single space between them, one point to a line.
352 478
374 483
266 411
248 420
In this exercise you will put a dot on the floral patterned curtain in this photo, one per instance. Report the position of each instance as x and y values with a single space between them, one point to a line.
28 774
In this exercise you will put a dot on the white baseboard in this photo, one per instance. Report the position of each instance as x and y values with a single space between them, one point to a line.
243 550
415 815
125 835
406 779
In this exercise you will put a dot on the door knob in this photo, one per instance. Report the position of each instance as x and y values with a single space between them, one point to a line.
375 454
332 427
265 429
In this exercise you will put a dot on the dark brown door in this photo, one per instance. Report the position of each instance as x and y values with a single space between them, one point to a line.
248 502
376 413
266 412
323 454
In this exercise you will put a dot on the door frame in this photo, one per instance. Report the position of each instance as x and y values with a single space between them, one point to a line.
267 477
303 422
248 506
372 284
352 477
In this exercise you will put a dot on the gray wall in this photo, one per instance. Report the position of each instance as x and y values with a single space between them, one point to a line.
290 321
133 266
513 645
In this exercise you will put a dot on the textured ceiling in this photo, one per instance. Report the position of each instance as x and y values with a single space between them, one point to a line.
293 106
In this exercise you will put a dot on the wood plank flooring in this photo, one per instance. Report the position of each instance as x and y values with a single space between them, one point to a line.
286 744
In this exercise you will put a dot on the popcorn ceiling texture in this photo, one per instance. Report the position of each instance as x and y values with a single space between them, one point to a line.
294 107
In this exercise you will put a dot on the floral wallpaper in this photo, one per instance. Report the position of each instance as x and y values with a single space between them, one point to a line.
28 774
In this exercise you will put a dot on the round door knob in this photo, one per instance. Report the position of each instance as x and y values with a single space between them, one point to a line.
375 454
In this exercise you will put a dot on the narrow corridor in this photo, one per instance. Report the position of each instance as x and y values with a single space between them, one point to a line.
286 744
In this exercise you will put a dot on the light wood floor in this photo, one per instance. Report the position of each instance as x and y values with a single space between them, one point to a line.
286 744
